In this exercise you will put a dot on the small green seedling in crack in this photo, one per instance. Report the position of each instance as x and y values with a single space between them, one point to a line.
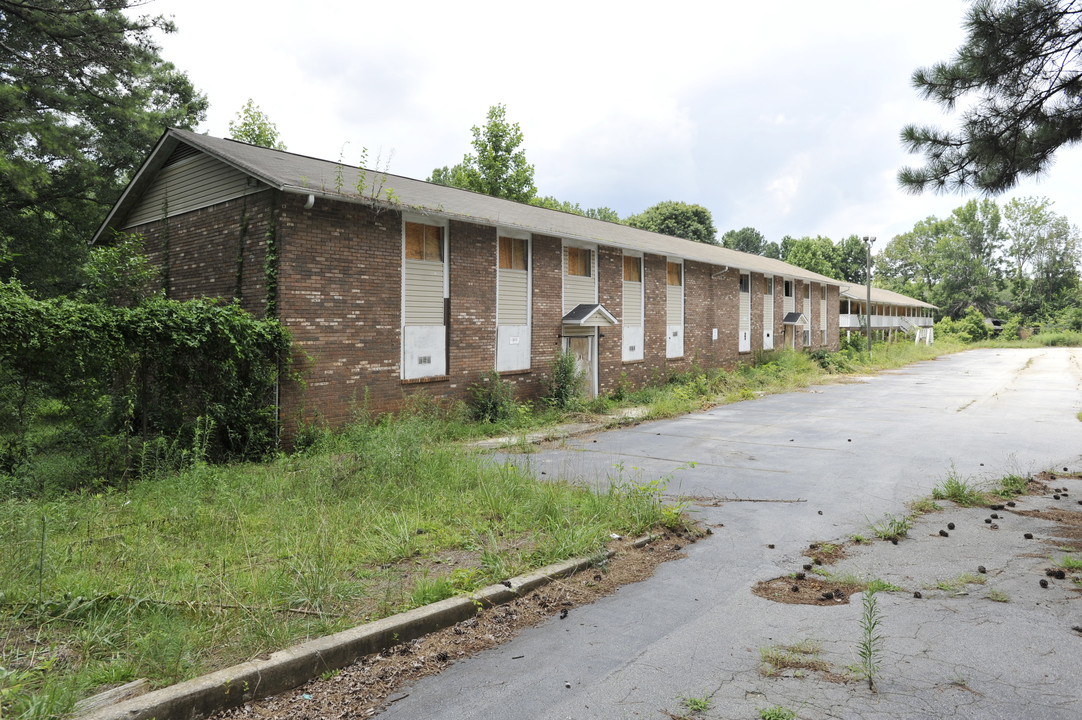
892 527
776 713
998 596
871 642
858 539
804 655
696 704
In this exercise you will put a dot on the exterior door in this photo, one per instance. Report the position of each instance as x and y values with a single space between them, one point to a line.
583 350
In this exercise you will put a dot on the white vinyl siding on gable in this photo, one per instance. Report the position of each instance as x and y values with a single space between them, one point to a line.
188 184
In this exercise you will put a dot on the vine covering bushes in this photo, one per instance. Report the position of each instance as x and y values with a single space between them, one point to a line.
97 393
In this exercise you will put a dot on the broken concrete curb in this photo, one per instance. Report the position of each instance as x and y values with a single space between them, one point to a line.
289 668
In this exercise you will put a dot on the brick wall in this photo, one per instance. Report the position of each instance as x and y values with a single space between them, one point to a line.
339 276
217 251
610 293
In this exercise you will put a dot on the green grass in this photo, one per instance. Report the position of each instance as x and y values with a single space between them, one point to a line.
892 527
803 655
202 569
959 490
1070 562
1010 486
998 596
696 704
924 506
957 584
777 712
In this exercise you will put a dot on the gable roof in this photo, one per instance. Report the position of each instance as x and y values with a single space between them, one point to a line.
879 295
302 175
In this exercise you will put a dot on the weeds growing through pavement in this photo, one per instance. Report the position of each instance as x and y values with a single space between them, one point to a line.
870 646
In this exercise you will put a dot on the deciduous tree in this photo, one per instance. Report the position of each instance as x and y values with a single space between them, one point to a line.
254 127
679 219
497 166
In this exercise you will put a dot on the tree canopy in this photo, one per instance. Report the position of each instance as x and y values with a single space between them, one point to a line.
679 219
84 95
1021 66
1022 260
254 127
497 166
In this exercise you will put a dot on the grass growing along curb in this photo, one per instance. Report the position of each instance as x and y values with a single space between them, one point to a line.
194 570
199 570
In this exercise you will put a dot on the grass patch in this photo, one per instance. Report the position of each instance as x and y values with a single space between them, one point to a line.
1070 562
696 704
998 596
802 656
217 564
957 585
892 527
878 585
1010 486
959 490
925 506
777 712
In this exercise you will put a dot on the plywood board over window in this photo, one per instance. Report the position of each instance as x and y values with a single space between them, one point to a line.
579 276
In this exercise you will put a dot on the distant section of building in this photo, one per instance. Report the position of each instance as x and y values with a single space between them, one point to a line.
892 314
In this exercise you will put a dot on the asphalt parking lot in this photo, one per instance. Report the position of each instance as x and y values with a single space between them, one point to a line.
770 476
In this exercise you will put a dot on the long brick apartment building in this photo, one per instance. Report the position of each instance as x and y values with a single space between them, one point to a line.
392 286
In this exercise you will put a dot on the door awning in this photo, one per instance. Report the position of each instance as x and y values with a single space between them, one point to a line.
590 315
795 318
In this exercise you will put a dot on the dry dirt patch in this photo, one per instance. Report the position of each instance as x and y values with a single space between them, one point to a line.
364 688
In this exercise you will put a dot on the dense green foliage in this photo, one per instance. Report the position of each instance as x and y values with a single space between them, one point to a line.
1019 77
254 127
497 166
679 219
96 393
85 96
1022 260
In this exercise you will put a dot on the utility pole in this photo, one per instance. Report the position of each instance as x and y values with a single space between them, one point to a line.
868 277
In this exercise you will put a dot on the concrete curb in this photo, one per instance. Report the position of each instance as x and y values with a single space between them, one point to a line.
292 667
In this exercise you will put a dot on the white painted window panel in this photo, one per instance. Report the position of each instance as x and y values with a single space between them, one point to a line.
512 347
424 351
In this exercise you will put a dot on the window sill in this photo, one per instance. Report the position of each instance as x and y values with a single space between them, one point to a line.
634 362
420 381
505 373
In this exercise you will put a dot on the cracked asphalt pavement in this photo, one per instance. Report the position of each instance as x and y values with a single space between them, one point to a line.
832 459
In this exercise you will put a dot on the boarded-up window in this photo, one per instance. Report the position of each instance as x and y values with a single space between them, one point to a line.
512 253
424 242
632 269
578 262
675 274
745 283
788 288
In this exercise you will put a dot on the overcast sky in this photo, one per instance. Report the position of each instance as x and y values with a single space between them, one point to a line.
781 115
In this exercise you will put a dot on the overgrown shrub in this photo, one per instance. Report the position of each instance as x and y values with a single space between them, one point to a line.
492 399
565 390
102 384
